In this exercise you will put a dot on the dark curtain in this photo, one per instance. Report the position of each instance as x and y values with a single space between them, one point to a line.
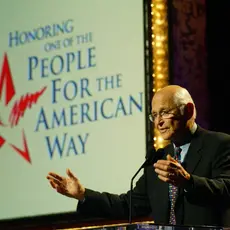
218 62
199 48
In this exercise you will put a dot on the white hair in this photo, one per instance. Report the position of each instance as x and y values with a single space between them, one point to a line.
183 97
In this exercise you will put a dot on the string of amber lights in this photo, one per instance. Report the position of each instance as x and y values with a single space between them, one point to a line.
160 53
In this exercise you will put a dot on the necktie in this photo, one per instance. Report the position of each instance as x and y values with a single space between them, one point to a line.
173 191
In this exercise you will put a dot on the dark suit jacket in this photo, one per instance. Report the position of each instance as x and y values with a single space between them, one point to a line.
207 203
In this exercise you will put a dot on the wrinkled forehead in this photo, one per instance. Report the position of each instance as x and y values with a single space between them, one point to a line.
162 101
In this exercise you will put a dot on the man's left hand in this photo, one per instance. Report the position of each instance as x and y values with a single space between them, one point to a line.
171 171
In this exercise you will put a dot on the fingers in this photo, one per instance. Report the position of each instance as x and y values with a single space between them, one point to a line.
168 170
167 166
58 186
171 171
169 179
170 158
55 176
163 173
165 179
55 186
70 174
55 181
52 184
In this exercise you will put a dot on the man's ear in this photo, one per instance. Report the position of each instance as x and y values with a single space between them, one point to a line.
189 110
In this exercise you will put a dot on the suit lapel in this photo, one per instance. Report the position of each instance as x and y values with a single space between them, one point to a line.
190 163
193 156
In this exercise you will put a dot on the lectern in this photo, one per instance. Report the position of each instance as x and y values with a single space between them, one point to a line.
101 225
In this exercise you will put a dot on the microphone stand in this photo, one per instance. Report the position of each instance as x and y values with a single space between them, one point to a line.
131 191
152 157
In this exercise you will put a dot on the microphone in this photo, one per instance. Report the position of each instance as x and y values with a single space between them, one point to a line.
152 156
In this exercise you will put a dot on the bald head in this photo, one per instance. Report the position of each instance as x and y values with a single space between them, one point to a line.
173 96
170 89
173 91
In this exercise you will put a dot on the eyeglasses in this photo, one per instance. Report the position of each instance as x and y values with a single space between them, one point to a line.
165 114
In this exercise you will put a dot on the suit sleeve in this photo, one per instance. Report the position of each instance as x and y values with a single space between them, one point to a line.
109 205
214 190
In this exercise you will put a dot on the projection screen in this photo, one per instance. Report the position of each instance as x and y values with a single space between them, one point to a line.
72 95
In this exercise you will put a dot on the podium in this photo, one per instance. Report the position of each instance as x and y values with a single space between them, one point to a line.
148 226
95 224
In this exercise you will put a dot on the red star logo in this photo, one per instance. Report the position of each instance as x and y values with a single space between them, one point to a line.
18 110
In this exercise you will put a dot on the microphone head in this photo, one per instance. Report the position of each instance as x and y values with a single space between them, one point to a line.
160 152
153 155
150 151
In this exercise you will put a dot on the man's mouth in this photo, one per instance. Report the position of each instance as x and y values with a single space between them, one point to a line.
163 130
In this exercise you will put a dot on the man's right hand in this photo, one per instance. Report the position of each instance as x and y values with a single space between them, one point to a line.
69 186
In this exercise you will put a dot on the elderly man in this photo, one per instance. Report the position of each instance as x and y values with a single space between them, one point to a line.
190 185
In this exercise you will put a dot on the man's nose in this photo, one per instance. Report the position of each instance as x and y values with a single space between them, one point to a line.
158 120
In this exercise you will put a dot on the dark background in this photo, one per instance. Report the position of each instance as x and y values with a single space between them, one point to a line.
218 63
199 47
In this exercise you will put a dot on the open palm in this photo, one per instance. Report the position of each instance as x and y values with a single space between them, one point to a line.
69 186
